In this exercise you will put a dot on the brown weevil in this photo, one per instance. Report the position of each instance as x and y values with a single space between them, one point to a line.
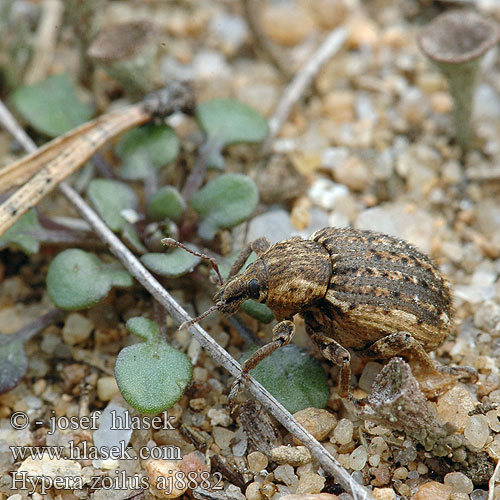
361 290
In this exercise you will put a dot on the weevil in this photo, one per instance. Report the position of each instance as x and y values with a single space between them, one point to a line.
355 289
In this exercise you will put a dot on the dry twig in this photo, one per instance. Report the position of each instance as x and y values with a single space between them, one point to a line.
302 81
266 46
492 481
44 43
219 355
64 155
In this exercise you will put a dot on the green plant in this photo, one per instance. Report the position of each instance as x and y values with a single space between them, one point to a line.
293 377
151 375
456 41
142 214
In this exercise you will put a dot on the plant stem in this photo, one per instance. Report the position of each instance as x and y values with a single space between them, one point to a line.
461 82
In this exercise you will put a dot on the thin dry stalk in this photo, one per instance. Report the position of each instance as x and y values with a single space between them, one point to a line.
266 46
219 355
44 43
63 156
79 150
301 82
492 481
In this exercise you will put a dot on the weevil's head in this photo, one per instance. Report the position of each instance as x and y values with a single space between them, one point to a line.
290 276
251 284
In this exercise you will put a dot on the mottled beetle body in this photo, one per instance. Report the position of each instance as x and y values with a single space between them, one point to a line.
362 290
359 290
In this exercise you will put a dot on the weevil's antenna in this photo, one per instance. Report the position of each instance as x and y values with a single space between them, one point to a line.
191 322
170 242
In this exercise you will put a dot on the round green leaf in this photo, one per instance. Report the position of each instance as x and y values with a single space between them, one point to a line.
224 202
13 363
143 328
293 377
172 264
51 106
77 280
149 145
19 235
227 121
166 203
109 198
152 378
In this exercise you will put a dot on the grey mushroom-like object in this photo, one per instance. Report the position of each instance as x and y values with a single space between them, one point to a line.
456 41
127 52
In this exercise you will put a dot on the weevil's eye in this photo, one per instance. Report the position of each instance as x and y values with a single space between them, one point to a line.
253 289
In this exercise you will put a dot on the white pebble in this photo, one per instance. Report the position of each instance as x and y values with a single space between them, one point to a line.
77 328
477 431
358 458
343 431
459 482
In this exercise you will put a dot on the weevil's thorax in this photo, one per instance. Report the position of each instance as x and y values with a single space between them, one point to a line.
298 274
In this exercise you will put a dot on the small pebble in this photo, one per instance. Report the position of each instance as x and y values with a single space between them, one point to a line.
441 102
454 406
310 483
353 173
458 482
459 496
383 494
77 328
257 461
293 455
318 422
433 491
193 462
358 458
343 431
222 437
164 472
285 474
253 491
400 473
268 489
219 417
198 404
477 430
107 388
287 23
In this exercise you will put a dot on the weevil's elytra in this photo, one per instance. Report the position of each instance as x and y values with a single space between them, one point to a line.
381 285
362 290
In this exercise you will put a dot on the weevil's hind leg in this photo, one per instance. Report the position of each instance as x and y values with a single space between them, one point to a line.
282 335
404 344
338 355
259 246
467 373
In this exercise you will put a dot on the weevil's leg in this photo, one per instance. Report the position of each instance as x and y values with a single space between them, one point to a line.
400 344
338 355
282 335
403 344
259 246
464 372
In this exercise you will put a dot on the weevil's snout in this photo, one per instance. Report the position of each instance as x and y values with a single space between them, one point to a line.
230 297
252 284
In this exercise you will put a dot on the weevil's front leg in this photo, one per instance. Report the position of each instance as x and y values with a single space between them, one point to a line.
338 355
404 344
282 335
259 246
